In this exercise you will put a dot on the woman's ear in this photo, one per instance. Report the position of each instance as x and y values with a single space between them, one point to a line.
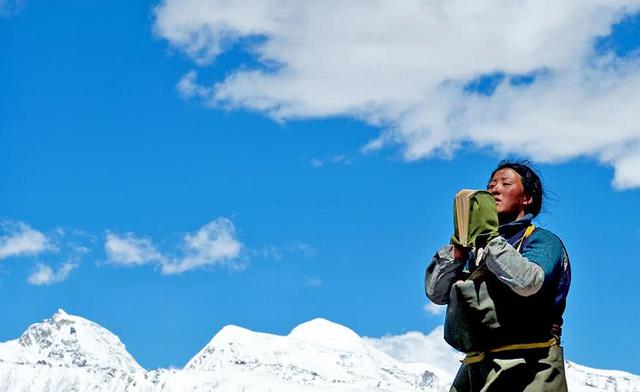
528 200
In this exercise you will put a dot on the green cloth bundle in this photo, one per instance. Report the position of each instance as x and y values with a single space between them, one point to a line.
475 219
471 316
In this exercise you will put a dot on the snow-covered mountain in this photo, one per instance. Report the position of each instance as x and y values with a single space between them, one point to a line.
69 353
70 341
66 353
584 379
316 353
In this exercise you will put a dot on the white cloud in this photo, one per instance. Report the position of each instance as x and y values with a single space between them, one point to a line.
45 275
188 88
434 309
417 347
403 65
18 239
627 162
129 250
213 244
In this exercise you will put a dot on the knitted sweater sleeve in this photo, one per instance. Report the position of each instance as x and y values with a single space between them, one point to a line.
545 249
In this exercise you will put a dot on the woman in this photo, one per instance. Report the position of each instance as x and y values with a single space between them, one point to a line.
527 277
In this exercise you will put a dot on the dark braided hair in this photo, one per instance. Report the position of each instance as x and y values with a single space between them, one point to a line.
530 182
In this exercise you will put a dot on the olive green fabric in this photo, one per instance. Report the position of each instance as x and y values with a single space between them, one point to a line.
471 312
483 220
471 315
537 370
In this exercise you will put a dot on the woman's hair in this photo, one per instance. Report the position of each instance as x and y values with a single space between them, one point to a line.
530 182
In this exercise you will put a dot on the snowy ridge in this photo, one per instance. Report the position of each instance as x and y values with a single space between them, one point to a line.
69 341
585 379
69 353
317 352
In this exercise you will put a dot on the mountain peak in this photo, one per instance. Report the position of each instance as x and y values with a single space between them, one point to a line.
230 333
327 333
73 341
317 352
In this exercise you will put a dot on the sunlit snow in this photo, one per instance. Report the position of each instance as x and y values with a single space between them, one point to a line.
69 353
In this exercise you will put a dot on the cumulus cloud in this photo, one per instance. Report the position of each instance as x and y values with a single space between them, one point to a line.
127 249
407 67
213 244
188 87
45 275
417 347
19 239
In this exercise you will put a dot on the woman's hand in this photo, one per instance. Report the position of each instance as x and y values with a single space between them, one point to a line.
460 253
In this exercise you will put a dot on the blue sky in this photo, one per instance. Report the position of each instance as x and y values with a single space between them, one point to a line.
168 176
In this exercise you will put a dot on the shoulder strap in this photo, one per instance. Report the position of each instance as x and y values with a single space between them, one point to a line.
526 234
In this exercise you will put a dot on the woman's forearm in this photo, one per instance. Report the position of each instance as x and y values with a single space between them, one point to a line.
441 273
523 276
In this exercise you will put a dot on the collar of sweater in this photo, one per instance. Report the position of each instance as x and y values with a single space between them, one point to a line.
508 230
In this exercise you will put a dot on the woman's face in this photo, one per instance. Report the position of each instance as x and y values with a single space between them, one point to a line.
511 201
